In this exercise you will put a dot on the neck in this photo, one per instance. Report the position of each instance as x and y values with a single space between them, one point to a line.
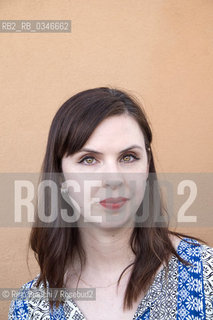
108 253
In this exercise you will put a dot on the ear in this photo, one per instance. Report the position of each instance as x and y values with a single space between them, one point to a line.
147 170
148 160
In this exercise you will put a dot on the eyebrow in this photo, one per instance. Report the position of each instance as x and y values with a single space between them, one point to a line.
97 152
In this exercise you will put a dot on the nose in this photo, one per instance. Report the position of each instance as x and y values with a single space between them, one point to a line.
112 183
112 177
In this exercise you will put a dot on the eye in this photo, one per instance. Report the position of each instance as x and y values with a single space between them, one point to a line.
130 155
86 158
90 158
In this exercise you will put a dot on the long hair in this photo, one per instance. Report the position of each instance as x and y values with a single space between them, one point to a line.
54 246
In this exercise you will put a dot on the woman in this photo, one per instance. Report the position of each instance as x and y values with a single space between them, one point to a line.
107 237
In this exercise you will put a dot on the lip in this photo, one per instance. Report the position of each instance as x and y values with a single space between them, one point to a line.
113 203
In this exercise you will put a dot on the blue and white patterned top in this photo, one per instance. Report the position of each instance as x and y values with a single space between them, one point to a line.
186 294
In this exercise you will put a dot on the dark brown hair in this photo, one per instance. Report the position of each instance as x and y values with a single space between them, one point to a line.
54 246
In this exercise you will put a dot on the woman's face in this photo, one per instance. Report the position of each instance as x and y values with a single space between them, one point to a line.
108 172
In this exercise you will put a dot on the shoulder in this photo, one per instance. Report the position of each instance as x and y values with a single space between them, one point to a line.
198 254
207 262
201 256
207 254
191 249
21 307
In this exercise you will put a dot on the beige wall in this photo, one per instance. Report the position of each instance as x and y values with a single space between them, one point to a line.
160 50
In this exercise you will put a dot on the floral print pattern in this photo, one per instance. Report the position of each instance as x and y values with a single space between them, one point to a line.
187 293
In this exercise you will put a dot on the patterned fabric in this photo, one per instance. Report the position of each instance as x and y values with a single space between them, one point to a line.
207 256
187 292
191 298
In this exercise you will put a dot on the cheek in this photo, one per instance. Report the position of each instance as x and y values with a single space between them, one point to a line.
137 185
76 196
63 164
139 193
75 188
140 167
68 165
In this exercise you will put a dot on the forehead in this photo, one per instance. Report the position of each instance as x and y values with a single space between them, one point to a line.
116 130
